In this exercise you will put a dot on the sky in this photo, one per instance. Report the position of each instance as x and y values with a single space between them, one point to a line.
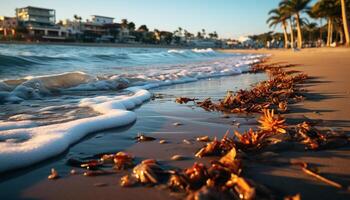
230 18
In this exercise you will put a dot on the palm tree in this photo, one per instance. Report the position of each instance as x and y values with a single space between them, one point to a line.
279 17
345 23
311 28
78 18
295 7
203 33
327 9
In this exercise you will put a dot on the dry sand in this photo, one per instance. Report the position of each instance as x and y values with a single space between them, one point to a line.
327 100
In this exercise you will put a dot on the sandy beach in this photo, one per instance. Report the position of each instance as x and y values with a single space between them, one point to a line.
327 100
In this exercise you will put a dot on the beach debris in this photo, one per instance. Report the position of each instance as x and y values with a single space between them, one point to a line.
227 143
184 100
211 148
293 197
236 124
162 142
186 141
177 124
207 104
240 187
309 136
107 159
91 165
53 175
73 172
277 92
197 175
229 161
315 139
203 139
305 169
282 106
128 181
272 124
218 175
122 161
250 140
148 171
143 138
178 157
178 182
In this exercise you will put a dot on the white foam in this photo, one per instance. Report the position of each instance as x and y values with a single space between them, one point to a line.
208 50
39 143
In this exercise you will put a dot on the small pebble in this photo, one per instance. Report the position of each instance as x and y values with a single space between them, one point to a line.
237 124
53 175
162 142
73 172
203 139
177 124
186 141
177 157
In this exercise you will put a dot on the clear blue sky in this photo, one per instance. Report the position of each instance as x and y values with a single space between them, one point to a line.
230 18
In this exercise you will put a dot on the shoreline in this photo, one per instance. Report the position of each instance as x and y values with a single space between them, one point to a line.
113 45
323 102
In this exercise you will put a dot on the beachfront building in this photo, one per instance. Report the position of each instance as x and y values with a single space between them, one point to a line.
203 43
8 26
98 19
40 23
100 29
72 28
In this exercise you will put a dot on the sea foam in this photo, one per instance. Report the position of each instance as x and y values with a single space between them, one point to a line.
39 143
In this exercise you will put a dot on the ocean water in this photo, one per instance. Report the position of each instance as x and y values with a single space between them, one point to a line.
52 96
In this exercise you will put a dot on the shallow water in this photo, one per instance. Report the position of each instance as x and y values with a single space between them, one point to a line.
53 96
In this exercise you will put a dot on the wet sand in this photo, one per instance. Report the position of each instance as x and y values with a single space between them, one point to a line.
327 100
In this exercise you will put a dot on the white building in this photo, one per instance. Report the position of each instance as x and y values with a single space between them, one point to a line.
72 27
97 19
246 41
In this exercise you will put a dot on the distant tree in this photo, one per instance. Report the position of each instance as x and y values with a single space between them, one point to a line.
124 23
143 28
131 26
213 35
296 7
203 33
78 18
187 34
199 35
149 37
329 10
167 37
278 16
216 35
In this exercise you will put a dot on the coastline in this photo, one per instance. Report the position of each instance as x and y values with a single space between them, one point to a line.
84 44
327 100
